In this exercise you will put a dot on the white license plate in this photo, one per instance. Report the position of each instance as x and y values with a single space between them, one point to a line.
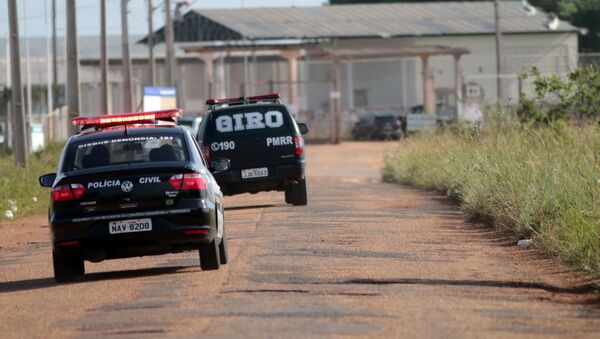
129 226
255 173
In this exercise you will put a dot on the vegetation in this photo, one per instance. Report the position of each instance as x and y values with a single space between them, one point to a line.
539 179
581 13
20 192
538 183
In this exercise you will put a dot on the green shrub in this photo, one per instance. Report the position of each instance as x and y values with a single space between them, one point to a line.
20 192
556 100
539 183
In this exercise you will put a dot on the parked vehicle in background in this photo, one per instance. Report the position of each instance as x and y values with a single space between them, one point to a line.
377 127
262 142
191 122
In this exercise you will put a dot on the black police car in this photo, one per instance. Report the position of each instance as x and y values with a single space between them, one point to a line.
260 140
133 185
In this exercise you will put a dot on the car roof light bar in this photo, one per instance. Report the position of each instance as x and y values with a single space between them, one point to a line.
100 121
273 97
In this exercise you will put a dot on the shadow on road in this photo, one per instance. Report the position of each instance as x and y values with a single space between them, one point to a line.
34 284
251 207
582 289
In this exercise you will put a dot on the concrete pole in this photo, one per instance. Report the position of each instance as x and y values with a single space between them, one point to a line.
169 38
27 77
334 102
103 61
20 143
54 55
73 96
428 95
125 59
499 70
151 77
457 86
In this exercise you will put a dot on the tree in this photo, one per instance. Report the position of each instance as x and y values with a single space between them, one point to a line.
581 13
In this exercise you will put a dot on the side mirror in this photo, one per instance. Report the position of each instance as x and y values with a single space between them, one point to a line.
303 128
47 180
221 164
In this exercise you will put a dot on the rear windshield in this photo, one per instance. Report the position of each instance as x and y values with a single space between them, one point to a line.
118 151
249 121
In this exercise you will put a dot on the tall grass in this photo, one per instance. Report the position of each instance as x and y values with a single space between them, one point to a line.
538 183
20 192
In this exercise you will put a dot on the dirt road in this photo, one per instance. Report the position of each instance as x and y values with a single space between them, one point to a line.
363 259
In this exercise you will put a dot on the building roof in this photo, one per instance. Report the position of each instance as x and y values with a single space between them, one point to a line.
89 48
365 20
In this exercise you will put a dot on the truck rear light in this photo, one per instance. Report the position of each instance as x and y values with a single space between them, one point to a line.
188 182
206 153
299 142
68 192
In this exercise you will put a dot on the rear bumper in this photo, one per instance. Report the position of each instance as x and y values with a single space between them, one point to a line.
169 234
279 177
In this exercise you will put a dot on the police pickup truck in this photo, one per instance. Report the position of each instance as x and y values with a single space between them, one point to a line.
133 185
259 139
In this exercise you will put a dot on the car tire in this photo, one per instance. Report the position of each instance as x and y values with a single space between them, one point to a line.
223 255
67 267
209 256
296 195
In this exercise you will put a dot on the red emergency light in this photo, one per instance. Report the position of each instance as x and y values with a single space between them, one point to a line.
272 96
127 118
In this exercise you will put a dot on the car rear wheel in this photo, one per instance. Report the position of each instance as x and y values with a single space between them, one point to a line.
209 256
223 256
295 194
67 267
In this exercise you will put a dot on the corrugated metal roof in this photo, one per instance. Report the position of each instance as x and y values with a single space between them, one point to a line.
400 19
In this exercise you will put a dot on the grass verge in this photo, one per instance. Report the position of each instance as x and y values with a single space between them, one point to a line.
20 191
537 183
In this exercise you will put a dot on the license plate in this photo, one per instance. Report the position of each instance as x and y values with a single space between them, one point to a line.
129 226
255 173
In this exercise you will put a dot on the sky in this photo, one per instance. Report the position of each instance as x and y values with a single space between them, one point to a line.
33 18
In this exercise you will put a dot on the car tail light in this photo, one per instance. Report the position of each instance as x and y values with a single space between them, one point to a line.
67 243
206 153
196 232
299 142
188 182
68 192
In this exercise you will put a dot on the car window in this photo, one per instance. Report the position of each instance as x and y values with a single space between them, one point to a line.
108 152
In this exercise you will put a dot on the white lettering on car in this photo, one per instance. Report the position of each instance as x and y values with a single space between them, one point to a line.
279 141
273 119
222 146
254 120
224 124
239 125
149 180
104 184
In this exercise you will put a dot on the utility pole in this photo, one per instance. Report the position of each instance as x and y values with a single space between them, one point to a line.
20 141
103 60
150 45
170 60
499 70
29 105
125 59
54 59
72 64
